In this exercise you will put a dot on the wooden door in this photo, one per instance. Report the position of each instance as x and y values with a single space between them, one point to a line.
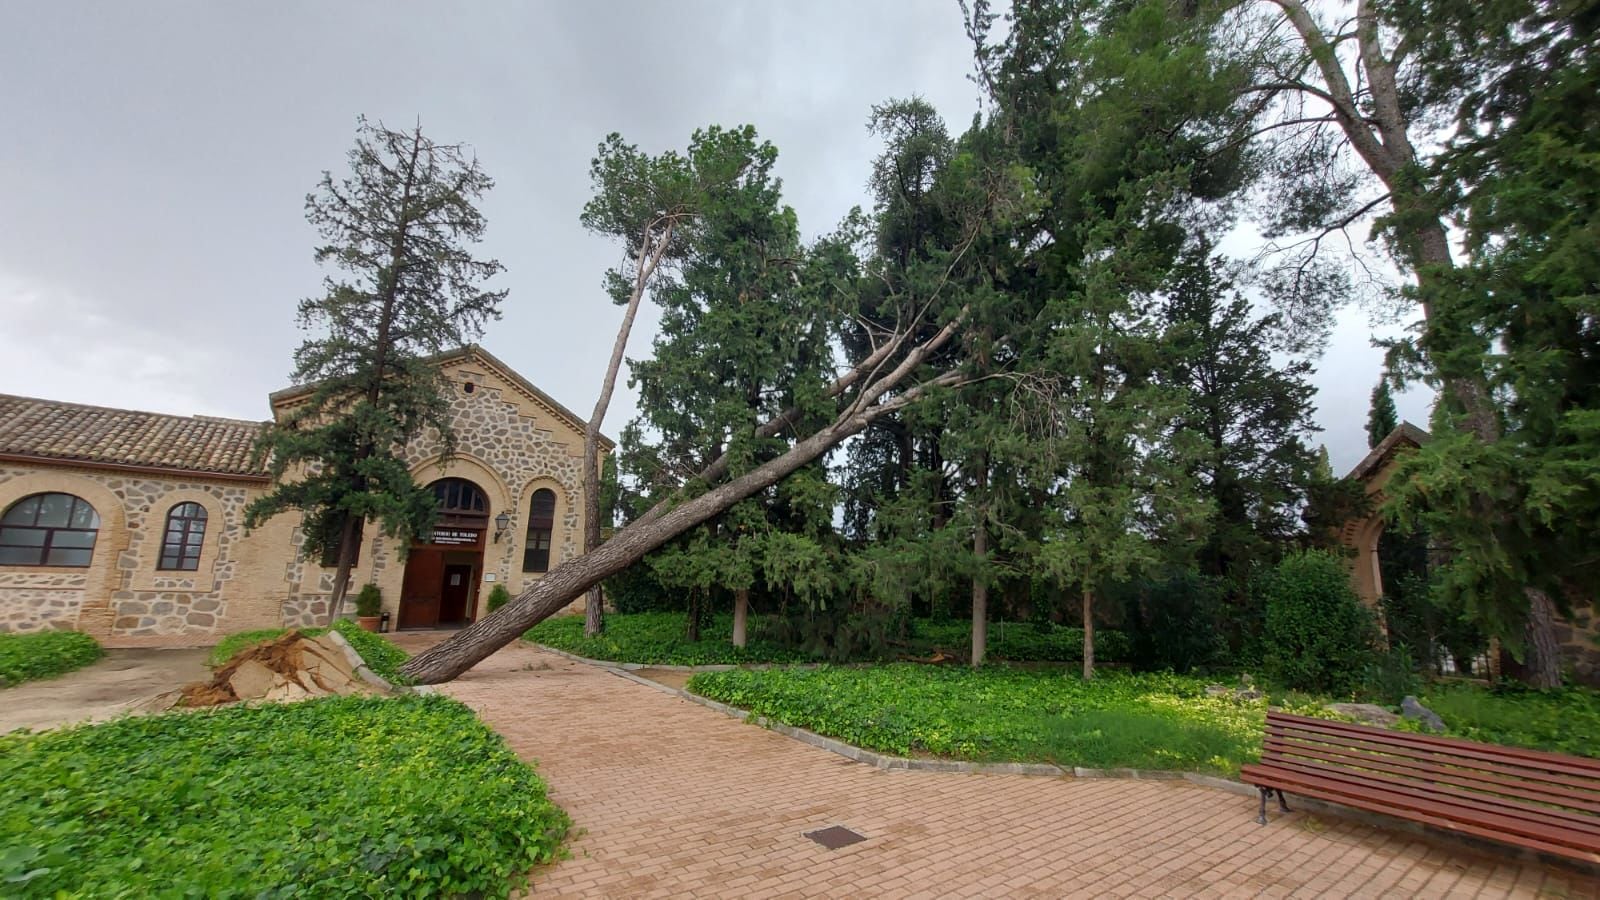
455 592
421 591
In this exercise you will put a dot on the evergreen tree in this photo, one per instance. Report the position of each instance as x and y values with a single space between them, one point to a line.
742 339
1382 419
1520 174
1253 415
398 228
1110 116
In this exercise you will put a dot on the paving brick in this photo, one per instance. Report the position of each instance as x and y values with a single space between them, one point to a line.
680 800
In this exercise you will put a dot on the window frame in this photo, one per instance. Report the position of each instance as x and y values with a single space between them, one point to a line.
540 534
47 541
182 555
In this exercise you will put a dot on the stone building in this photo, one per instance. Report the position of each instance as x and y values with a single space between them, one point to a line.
129 525
1579 637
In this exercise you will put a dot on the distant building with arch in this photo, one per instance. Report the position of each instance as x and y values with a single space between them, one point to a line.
1579 637
1361 534
129 525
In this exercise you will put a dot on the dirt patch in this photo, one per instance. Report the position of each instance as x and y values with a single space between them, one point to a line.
124 682
668 677
292 667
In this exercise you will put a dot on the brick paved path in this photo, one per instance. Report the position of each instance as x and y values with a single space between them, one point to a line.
675 799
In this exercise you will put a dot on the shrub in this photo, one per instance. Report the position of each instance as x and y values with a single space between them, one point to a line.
43 654
636 590
370 601
658 639
1175 622
1318 636
1391 675
498 597
342 797
381 656
1019 641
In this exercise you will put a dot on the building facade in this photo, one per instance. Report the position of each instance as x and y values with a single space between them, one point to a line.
130 526
1578 637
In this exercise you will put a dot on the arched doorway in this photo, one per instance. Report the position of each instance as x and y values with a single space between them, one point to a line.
440 589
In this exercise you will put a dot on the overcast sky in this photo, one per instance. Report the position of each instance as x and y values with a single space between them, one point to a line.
155 159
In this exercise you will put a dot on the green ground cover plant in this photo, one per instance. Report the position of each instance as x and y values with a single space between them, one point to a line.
657 638
381 656
1561 721
1146 721
44 654
1018 641
342 797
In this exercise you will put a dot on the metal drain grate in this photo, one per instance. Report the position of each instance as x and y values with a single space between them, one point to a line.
835 836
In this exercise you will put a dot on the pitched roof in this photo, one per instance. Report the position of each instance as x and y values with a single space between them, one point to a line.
510 375
97 435
1405 434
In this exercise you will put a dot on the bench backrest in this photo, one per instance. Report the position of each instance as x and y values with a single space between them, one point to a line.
1522 785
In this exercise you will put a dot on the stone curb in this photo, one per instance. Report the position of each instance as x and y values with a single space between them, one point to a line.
359 665
884 761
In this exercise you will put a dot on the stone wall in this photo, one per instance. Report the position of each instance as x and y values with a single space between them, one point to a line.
39 609
509 441
1580 654
121 593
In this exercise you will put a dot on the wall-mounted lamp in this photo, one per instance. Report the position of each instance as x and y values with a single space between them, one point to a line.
501 523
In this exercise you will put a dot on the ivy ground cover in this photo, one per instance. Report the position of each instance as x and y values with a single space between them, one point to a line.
657 638
1561 721
44 654
343 797
1151 721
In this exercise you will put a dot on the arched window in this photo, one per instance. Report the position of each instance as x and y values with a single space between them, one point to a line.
186 531
541 521
459 496
48 530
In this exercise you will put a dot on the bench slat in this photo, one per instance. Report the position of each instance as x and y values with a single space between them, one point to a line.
1534 759
1310 788
1379 741
1470 803
1420 766
1530 798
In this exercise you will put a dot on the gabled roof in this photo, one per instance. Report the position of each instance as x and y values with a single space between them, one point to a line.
1404 435
492 362
50 430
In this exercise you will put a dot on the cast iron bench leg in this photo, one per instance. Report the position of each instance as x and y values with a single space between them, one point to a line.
1283 805
1265 792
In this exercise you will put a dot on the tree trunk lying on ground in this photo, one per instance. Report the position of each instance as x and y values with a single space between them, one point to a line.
569 580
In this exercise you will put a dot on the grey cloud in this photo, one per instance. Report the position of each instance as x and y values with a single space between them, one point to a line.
157 156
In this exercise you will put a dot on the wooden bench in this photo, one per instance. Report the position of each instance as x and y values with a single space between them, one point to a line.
1547 802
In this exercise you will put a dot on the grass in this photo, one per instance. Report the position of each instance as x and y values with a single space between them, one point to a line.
1150 721
44 654
1562 721
657 638
341 797
381 656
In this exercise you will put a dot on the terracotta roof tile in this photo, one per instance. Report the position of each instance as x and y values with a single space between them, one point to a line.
96 434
